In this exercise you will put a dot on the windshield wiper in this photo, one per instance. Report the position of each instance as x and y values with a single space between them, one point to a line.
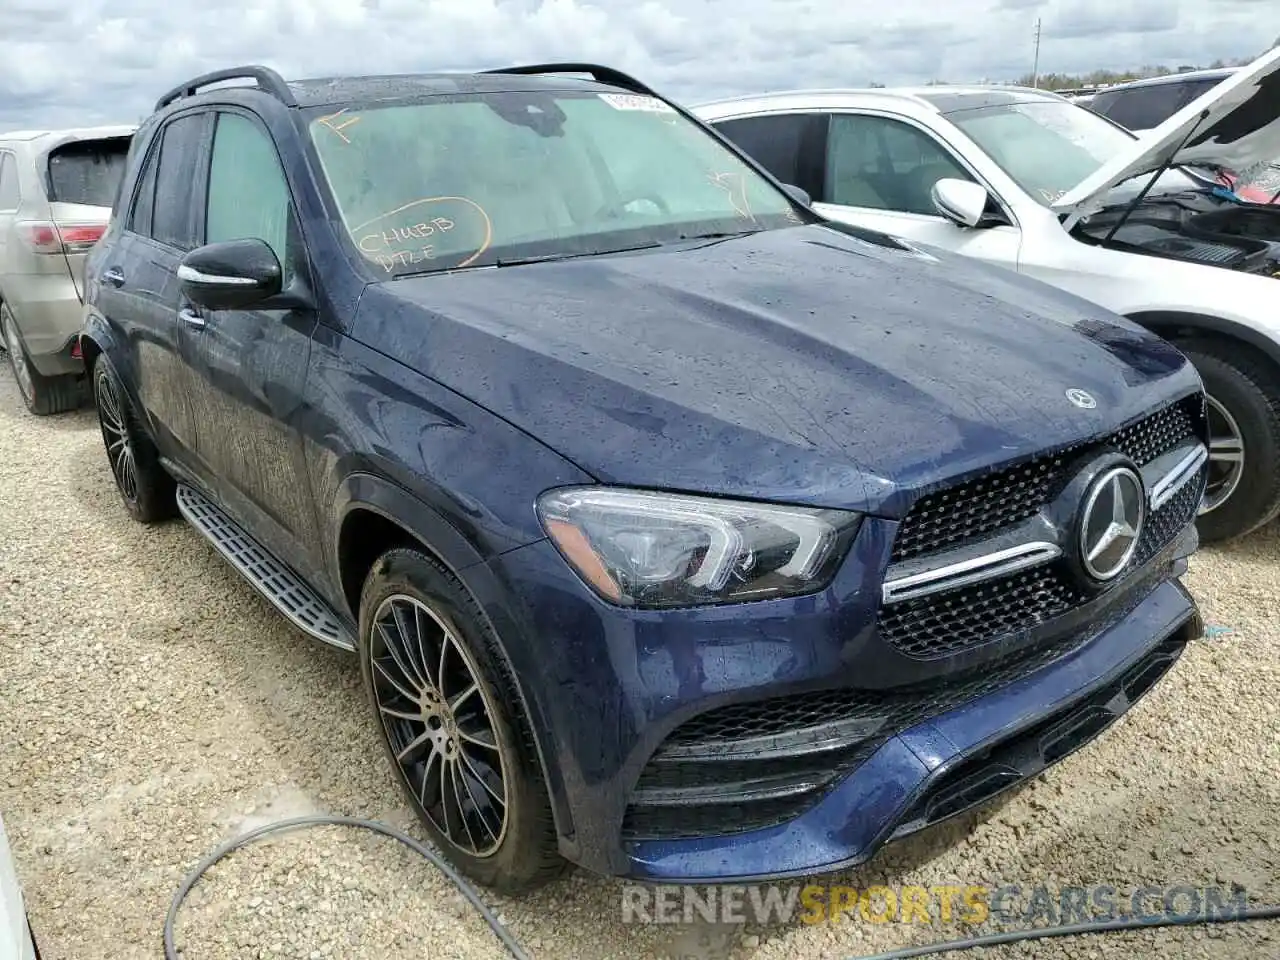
1160 171
552 257
719 234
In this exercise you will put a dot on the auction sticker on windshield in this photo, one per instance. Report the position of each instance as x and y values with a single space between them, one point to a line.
626 101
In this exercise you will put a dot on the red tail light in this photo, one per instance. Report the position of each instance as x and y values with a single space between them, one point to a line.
43 236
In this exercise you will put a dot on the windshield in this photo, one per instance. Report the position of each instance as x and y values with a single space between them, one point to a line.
1048 146
482 179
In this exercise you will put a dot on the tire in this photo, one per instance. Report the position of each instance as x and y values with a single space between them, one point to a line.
42 395
410 595
1244 398
144 485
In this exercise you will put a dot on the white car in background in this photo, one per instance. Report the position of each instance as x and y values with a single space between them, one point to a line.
16 942
1032 182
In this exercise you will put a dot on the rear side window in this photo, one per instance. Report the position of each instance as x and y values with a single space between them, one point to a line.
1141 108
171 220
775 142
144 202
87 171
9 194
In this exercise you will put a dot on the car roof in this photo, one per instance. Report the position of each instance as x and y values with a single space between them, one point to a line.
1215 74
934 99
325 91
70 134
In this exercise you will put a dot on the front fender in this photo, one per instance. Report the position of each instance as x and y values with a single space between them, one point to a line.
392 502
422 522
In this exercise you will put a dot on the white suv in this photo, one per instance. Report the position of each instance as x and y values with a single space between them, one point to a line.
1029 181
16 942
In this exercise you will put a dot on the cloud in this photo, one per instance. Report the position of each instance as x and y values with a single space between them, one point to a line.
1100 18
98 62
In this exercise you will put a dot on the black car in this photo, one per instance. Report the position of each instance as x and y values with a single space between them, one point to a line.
680 534
1145 104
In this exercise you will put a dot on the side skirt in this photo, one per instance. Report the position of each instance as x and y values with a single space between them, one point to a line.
273 579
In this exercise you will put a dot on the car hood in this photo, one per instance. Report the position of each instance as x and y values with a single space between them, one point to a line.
801 365
1240 127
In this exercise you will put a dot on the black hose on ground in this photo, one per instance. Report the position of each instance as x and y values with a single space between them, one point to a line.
465 888
1071 930
517 951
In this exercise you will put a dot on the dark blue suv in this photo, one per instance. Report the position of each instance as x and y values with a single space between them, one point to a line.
681 534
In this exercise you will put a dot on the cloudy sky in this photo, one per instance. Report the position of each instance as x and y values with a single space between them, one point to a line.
91 61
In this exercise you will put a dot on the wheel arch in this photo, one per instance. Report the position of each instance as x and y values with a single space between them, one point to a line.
95 339
373 515
1174 326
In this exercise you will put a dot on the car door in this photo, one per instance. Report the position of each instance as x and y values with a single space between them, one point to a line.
879 173
138 290
249 366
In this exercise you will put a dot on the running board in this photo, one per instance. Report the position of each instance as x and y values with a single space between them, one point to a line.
255 563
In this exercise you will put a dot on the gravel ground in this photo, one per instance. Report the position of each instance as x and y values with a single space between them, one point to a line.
154 706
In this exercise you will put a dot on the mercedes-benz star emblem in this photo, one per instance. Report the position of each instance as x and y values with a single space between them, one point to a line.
1111 522
1081 398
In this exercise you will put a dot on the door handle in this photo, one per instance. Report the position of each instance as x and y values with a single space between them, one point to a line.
192 318
113 276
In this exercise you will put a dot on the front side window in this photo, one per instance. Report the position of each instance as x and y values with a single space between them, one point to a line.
479 179
885 164
1047 147
248 195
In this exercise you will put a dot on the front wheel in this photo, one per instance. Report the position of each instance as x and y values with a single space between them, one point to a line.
1243 402
452 724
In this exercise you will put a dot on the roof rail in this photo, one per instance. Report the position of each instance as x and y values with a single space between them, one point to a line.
615 78
267 79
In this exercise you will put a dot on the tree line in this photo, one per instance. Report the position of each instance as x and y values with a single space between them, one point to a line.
1066 81
1073 81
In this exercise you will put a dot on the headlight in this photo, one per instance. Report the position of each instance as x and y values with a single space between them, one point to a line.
648 549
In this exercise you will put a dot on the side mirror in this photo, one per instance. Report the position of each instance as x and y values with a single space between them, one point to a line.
961 201
799 196
232 275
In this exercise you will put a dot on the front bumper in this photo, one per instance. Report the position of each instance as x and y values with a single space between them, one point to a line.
942 767
608 690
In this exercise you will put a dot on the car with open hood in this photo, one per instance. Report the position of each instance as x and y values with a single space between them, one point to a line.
1031 182
680 533
1144 104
